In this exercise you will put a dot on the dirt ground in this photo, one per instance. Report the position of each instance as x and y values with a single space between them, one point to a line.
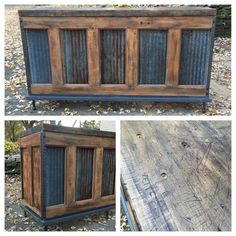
16 90
15 220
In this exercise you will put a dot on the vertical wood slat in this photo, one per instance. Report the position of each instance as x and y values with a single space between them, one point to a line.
98 173
131 57
70 175
94 70
36 163
173 57
55 56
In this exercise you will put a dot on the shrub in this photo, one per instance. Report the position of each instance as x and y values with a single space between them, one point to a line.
10 147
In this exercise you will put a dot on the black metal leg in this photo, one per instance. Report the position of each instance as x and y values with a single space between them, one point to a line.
203 107
25 214
33 104
107 214
45 228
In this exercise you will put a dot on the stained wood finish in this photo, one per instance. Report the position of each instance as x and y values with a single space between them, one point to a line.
70 175
27 175
55 56
173 56
58 139
30 140
160 11
161 90
98 173
193 22
131 57
177 174
63 209
93 56
36 159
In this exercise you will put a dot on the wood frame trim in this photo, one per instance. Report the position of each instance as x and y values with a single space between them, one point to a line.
62 209
193 22
55 56
131 57
173 57
140 90
98 173
70 161
93 52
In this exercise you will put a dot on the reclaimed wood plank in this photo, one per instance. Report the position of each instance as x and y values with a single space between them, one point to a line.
160 11
36 158
177 174
55 56
27 175
173 57
59 210
58 139
158 90
192 22
94 69
131 57
98 173
70 174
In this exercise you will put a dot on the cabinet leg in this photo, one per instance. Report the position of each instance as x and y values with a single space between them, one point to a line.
204 107
107 214
33 104
45 228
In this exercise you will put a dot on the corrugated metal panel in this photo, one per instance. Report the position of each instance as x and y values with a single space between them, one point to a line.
74 54
39 57
84 173
108 172
55 169
195 53
112 56
152 56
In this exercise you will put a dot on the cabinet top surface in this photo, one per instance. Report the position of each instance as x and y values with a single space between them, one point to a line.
63 129
113 12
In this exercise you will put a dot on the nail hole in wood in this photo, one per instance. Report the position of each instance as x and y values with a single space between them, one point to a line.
138 135
185 144
164 175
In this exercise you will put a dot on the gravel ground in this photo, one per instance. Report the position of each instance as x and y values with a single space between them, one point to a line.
15 85
15 220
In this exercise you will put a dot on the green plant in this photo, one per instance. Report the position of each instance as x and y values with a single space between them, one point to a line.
10 147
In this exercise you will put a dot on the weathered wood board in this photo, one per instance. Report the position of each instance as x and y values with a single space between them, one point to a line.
177 174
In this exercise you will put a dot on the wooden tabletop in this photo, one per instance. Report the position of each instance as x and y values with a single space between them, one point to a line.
177 174
157 11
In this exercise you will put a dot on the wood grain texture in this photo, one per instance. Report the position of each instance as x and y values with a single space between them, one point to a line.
193 22
131 57
64 209
70 175
27 175
142 11
98 173
36 158
94 70
55 56
30 140
59 139
177 174
173 57
145 90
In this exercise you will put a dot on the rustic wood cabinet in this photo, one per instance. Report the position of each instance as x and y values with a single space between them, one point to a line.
66 171
161 54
